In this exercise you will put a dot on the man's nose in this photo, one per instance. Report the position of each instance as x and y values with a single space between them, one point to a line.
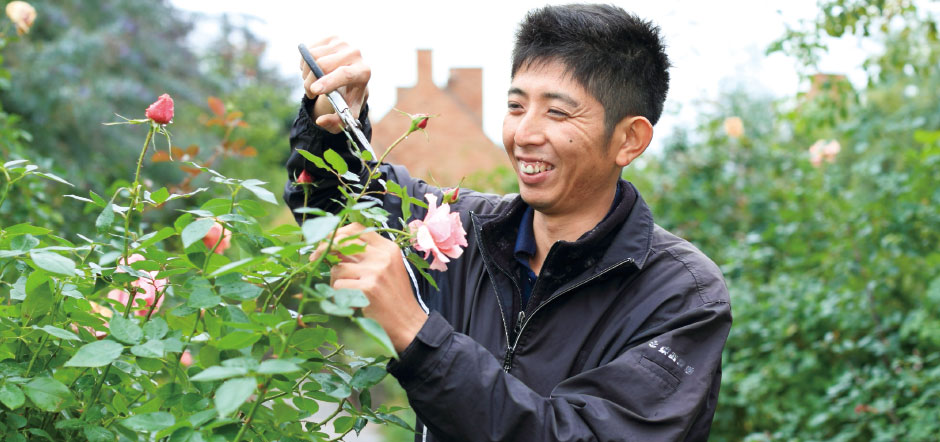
530 131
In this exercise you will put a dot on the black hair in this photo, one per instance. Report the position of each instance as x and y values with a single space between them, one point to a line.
617 57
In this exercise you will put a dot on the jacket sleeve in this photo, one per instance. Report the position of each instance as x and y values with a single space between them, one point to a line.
306 135
460 392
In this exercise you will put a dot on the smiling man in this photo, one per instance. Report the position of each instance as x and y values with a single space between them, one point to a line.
571 315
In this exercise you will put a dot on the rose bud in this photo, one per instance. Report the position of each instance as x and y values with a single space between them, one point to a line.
418 121
304 178
451 196
161 111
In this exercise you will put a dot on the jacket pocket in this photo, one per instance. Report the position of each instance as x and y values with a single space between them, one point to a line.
667 381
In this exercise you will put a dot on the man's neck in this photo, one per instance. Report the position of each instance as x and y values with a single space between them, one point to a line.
550 228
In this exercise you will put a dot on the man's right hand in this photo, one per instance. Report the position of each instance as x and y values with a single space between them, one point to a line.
344 71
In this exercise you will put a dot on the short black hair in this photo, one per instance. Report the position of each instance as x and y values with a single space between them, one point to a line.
616 56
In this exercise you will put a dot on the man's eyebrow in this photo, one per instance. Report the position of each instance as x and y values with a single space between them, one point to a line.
548 96
560 96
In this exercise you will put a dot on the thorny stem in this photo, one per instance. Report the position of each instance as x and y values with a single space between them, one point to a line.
135 193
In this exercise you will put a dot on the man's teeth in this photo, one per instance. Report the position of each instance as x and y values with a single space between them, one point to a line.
533 168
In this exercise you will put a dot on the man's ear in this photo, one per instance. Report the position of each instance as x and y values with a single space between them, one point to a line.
631 138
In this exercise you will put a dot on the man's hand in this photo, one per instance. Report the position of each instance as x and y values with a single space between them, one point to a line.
380 273
344 71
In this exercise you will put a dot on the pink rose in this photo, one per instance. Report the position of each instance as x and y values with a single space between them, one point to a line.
186 358
22 15
151 287
440 233
161 111
216 231
734 127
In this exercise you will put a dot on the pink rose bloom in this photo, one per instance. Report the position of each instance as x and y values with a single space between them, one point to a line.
161 111
440 234
151 287
830 150
216 231
186 358
22 15
816 153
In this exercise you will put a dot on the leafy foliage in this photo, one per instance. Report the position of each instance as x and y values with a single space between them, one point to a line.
833 269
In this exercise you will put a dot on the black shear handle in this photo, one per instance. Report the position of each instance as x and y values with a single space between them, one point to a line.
310 61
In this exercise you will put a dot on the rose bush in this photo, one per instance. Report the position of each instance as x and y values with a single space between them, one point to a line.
212 328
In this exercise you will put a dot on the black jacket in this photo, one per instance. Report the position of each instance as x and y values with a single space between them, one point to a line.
621 339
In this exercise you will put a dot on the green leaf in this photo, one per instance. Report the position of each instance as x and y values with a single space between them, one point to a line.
160 235
153 348
232 266
125 330
95 433
260 192
59 333
96 354
336 162
39 299
343 424
366 377
232 394
105 219
275 366
310 338
196 231
25 229
375 331
11 396
47 394
203 298
186 435
53 262
316 229
313 159
237 340
160 195
217 372
240 291
156 328
149 422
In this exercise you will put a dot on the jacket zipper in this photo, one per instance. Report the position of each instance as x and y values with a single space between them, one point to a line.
522 321
502 315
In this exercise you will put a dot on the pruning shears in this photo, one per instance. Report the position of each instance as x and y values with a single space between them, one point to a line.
350 123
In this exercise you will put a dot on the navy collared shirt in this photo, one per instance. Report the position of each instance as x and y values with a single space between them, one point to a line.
525 247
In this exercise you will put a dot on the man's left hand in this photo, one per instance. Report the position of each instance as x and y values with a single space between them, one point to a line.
380 273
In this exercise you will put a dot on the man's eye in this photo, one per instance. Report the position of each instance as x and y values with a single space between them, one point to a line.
514 106
558 113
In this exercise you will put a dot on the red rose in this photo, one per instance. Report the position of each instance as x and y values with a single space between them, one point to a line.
161 111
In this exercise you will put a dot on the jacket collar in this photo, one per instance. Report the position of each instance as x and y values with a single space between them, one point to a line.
624 236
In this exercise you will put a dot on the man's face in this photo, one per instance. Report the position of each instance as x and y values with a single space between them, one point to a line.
554 135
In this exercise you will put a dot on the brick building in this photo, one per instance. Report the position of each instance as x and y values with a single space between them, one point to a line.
458 147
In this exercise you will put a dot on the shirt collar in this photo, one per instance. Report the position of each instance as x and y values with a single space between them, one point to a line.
525 241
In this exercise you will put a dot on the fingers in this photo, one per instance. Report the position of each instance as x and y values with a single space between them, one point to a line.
330 122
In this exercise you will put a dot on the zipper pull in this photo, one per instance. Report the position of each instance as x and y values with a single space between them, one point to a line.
518 327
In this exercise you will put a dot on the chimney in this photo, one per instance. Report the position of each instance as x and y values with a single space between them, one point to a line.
466 84
424 67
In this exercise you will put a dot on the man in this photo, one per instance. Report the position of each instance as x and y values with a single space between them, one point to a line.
571 315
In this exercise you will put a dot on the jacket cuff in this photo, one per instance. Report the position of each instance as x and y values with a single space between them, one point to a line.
424 353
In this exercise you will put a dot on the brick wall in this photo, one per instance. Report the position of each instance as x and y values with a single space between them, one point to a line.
457 147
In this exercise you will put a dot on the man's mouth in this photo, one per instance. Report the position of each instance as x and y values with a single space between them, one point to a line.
532 168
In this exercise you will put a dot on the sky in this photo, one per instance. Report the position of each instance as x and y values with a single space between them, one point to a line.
713 45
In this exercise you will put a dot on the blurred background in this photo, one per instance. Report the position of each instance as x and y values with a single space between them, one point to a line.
800 150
